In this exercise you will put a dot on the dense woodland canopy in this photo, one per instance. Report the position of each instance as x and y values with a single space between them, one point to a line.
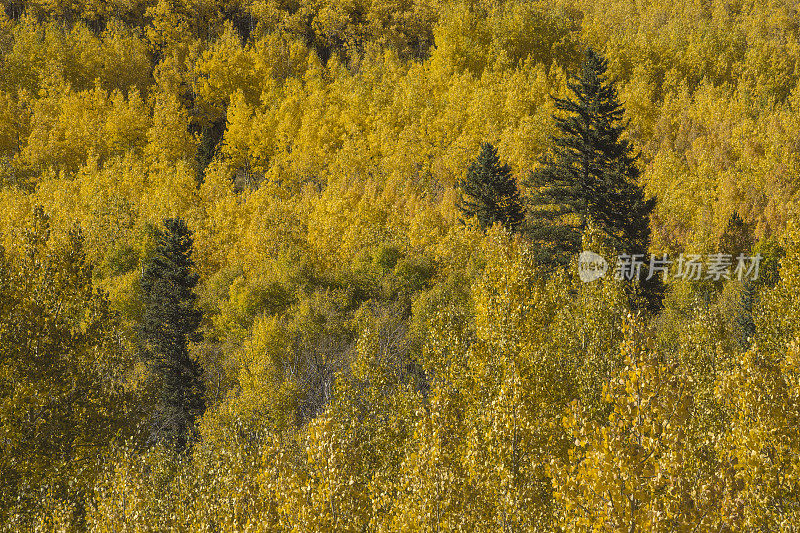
366 361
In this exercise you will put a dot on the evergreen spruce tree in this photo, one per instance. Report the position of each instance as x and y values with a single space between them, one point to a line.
490 193
590 178
171 320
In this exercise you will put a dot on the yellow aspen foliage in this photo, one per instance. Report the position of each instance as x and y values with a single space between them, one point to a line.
14 126
434 491
127 123
60 405
126 63
168 138
635 468
238 141
333 479
267 396
66 127
761 391
224 69
169 33
370 362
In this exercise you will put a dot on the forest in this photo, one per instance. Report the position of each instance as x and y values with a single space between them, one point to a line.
321 266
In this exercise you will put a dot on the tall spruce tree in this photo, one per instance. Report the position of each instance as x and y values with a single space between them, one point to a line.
170 322
490 193
590 178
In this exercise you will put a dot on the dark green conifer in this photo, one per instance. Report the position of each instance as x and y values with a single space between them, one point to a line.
169 323
590 178
490 193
